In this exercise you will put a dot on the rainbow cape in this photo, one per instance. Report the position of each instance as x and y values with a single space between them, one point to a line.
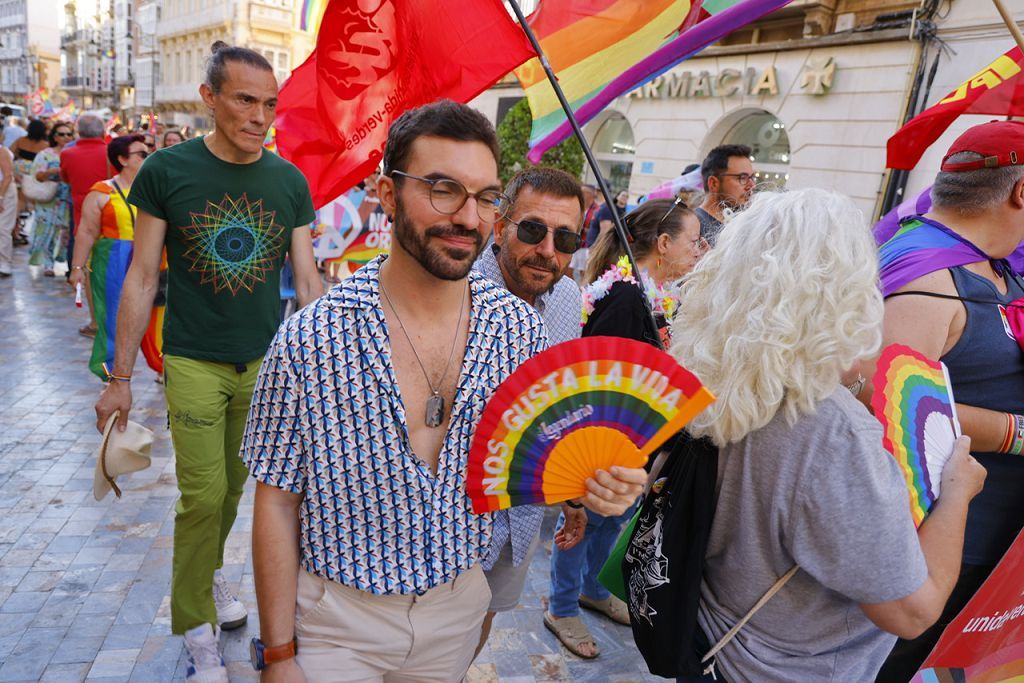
921 245
587 43
109 263
923 253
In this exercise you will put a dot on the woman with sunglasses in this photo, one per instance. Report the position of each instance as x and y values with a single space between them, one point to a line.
53 218
103 247
665 238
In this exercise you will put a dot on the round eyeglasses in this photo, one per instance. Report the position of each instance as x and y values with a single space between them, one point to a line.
448 196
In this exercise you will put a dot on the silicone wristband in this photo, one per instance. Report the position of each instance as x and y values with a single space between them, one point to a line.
1017 447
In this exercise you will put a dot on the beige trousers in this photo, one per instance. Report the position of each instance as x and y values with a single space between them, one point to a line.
347 635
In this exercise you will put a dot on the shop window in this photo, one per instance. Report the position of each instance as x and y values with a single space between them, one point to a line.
615 148
766 136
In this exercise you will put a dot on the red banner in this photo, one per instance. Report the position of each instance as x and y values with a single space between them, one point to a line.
997 89
985 643
375 60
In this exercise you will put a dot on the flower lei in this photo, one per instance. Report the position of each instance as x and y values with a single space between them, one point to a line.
661 300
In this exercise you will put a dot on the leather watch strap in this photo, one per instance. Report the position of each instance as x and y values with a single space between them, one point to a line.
279 653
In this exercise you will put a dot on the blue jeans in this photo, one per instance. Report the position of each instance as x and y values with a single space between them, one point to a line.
574 571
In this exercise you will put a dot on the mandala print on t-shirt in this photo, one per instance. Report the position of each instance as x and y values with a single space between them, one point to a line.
234 244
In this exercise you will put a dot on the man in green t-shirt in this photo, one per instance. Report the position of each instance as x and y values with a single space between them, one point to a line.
227 212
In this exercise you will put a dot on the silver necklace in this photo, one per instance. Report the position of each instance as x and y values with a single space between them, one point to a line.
435 404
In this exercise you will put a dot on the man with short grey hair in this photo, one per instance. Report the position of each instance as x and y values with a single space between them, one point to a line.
81 166
949 288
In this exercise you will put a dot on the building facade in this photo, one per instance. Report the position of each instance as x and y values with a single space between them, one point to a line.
815 90
147 54
29 48
188 28
89 54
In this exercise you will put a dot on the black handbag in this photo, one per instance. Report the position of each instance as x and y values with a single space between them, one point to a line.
664 561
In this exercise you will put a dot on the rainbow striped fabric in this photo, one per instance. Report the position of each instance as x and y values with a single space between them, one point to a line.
602 49
310 14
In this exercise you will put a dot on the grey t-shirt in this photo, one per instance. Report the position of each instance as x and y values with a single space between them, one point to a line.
709 225
824 494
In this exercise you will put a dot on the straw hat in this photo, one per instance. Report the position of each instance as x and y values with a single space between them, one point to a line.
120 453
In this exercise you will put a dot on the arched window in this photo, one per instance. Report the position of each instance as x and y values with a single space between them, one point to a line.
614 148
766 136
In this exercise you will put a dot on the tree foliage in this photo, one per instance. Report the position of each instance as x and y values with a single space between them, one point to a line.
514 138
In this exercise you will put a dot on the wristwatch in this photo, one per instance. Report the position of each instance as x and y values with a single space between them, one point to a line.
262 656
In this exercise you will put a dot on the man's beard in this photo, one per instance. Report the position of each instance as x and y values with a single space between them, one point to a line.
443 262
528 285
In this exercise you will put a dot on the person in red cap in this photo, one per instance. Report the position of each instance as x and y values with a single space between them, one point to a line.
958 308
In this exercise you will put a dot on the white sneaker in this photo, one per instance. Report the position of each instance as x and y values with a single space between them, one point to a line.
205 665
231 613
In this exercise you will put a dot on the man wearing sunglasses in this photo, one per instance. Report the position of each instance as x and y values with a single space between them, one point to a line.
366 552
729 182
530 255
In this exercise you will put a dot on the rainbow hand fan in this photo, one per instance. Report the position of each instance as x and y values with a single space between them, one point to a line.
576 408
914 402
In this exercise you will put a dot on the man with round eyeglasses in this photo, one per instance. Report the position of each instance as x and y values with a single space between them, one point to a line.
366 551
729 181
531 252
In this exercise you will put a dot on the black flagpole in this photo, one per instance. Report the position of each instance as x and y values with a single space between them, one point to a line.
567 108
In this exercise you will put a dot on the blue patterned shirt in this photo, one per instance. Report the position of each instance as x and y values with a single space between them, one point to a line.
561 308
327 421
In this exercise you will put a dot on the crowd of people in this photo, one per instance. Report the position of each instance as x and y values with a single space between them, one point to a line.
42 188
355 415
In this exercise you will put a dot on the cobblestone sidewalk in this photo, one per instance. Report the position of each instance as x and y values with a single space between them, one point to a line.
84 584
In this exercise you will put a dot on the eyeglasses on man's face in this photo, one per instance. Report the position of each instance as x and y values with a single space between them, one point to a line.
530 231
141 152
743 178
448 196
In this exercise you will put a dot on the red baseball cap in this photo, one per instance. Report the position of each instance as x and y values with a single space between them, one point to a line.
1000 142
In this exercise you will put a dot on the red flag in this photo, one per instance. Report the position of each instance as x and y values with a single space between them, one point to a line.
985 643
370 65
997 89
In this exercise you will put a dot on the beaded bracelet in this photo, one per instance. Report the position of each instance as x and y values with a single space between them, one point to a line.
1013 442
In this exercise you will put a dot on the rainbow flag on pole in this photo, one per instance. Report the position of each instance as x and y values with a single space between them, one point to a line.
310 14
602 49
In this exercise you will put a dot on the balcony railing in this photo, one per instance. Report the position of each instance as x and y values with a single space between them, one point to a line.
263 16
181 92
74 82
195 21
79 37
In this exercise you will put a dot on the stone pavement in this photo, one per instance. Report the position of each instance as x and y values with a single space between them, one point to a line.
84 584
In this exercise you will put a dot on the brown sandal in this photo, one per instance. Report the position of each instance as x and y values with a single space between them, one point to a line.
87 331
572 633
611 607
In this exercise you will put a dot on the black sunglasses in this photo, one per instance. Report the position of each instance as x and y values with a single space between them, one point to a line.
533 232
142 153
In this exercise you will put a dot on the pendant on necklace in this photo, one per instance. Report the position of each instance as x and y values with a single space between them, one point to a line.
435 411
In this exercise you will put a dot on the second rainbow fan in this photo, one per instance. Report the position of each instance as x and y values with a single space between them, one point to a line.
578 407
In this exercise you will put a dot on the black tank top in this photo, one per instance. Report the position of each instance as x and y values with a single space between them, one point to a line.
986 367
26 155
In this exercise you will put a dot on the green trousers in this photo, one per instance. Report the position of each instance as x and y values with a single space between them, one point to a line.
208 403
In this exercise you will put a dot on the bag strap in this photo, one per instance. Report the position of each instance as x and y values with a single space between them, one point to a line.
727 638
131 211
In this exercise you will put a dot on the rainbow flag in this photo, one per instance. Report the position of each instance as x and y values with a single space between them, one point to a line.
310 14
587 43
